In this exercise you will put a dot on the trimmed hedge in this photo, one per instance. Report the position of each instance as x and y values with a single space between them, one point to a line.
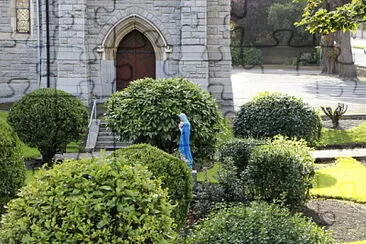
48 119
173 172
239 150
258 223
147 112
282 169
97 201
12 169
270 114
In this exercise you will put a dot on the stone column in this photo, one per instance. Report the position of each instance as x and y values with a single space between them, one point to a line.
72 53
193 63
219 56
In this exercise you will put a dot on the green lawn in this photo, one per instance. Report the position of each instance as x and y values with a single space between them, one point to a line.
343 137
209 175
345 180
30 174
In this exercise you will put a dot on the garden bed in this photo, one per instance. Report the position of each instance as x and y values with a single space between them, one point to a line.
345 219
351 134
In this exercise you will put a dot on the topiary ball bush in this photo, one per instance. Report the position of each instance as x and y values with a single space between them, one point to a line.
270 114
259 223
49 119
173 172
147 112
12 169
281 169
90 201
239 150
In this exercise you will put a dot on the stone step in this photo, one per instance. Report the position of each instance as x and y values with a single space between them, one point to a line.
106 133
111 142
109 147
107 138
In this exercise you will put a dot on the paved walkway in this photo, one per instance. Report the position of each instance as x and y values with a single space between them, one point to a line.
314 88
358 153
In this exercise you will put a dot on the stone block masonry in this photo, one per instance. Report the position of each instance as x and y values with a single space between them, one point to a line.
190 39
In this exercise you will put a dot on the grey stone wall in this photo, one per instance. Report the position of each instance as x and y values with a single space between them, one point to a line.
190 37
18 56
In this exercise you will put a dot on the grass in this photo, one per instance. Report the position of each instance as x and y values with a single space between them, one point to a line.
356 242
345 180
30 174
209 175
359 46
343 137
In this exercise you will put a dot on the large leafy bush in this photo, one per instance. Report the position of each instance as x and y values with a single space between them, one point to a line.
147 112
270 114
90 201
258 223
173 172
48 119
282 169
12 170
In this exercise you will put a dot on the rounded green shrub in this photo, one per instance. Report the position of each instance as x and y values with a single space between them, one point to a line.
282 169
12 169
270 114
258 223
48 119
147 112
173 172
239 150
90 201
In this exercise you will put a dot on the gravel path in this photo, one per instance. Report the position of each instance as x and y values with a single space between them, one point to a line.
347 220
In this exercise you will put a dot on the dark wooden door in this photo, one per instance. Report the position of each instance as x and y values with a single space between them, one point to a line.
135 59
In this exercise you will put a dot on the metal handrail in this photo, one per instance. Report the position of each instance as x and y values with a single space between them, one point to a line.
93 112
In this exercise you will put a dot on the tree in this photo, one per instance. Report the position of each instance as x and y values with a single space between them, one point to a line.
334 19
48 119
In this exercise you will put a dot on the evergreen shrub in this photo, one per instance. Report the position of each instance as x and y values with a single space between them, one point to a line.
270 114
12 169
147 112
239 150
90 201
173 172
49 119
259 223
283 170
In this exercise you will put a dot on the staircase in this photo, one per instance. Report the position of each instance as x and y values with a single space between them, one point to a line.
107 140
99 138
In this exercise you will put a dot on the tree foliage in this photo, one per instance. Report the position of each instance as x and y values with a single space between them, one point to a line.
318 19
49 119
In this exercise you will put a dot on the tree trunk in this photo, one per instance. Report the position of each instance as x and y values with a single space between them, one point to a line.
345 65
47 157
329 54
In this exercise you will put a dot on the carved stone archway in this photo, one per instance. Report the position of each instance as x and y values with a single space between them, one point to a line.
132 22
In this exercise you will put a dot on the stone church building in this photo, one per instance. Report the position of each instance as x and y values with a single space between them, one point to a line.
92 48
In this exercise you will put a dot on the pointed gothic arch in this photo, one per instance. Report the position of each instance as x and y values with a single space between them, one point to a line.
132 22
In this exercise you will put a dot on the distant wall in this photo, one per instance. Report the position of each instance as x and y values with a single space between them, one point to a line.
282 54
